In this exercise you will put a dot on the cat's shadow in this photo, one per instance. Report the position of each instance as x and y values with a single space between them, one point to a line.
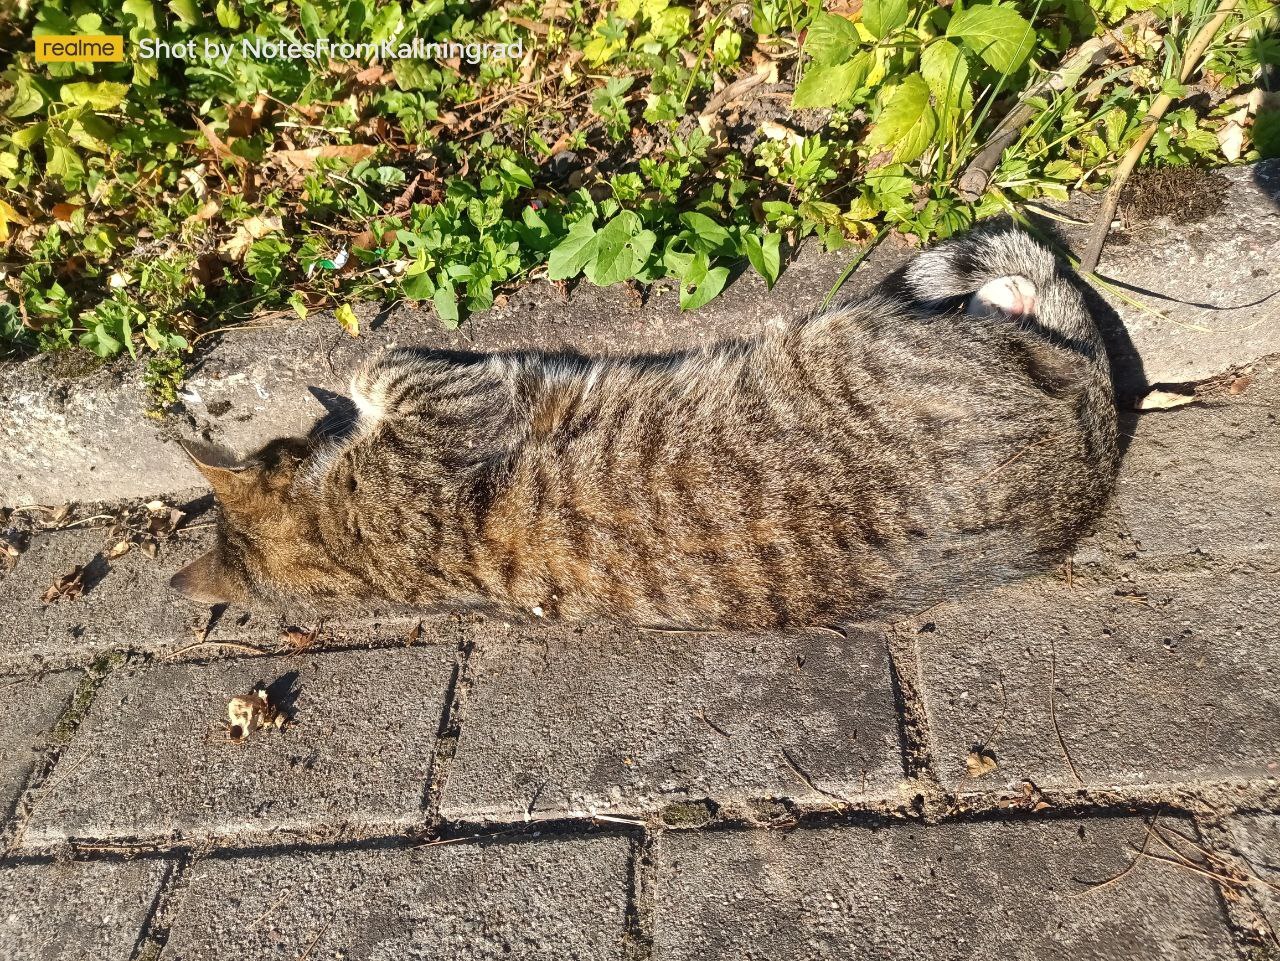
1128 375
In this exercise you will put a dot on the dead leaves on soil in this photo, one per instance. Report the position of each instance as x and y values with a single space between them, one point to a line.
1232 382
67 587
247 713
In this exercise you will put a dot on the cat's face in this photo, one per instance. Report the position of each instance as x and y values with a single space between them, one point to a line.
268 543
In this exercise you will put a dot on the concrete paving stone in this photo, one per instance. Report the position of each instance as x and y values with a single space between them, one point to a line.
128 603
570 722
76 911
548 899
29 711
1257 838
1156 681
81 435
1200 482
152 758
1004 891
131 606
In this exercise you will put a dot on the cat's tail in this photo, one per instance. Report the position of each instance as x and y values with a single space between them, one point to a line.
955 271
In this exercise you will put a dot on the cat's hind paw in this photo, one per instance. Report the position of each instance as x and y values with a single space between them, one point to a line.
1013 296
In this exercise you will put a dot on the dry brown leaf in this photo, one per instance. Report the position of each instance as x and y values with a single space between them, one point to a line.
370 75
247 713
247 231
70 586
980 761
306 159
1240 384
1164 400
776 131
120 549
219 148
64 211
297 640
414 636
208 210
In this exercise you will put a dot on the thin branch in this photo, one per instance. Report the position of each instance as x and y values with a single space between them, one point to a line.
1150 124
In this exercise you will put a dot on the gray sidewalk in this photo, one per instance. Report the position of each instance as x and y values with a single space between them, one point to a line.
1086 765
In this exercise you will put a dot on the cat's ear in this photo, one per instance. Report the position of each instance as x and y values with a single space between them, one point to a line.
226 474
207 580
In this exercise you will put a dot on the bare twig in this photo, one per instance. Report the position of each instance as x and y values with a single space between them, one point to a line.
1053 711
1116 878
977 175
1150 123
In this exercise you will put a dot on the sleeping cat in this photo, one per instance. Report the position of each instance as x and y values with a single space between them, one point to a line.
954 429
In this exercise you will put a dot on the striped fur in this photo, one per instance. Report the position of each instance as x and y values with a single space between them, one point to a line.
881 455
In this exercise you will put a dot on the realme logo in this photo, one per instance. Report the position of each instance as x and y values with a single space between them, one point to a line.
79 49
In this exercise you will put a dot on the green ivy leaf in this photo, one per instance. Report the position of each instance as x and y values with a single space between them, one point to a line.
828 86
831 40
574 252
907 121
765 257
999 35
882 17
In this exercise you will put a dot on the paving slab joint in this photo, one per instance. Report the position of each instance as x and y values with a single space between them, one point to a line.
42 775
641 899
1238 883
449 731
913 719
155 930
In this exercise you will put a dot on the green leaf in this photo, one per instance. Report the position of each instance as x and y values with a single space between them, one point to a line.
882 17
709 233
27 98
946 71
24 138
765 257
906 122
418 286
999 35
574 252
446 302
62 162
828 86
830 40
100 96
142 11
614 260
188 11
705 288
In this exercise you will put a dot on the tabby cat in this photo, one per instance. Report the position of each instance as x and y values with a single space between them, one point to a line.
955 428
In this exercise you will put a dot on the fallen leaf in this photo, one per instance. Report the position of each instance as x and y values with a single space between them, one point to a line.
64 211
1231 135
1164 400
414 635
776 131
980 761
298 640
247 231
1240 384
70 586
348 320
306 159
119 550
370 75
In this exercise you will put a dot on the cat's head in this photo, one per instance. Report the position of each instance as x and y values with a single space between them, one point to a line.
268 539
